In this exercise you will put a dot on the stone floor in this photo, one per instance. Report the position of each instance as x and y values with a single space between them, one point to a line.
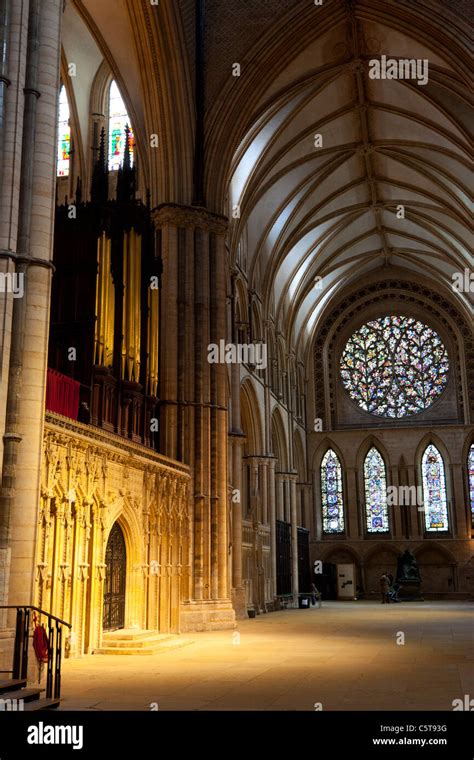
344 656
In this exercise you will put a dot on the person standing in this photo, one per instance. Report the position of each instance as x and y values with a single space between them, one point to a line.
384 587
315 595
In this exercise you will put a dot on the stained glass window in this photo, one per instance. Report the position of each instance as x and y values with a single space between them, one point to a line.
375 486
64 135
118 120
331 493
434 490
470 470
394 366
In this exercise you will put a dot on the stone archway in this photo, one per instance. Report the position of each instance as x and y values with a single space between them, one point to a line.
113 616
437 570
327 580
382 559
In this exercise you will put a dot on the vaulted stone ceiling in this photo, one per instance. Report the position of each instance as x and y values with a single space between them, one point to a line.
330 212
144 49
306 212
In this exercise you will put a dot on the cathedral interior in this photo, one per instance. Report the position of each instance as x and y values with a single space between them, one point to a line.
236 328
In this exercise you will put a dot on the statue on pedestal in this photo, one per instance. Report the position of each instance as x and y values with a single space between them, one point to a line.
408 576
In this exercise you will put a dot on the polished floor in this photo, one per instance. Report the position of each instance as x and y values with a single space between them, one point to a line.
344 656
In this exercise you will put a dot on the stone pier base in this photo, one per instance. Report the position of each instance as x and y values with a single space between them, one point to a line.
207 616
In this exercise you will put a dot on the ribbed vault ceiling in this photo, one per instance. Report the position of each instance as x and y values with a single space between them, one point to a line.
331 212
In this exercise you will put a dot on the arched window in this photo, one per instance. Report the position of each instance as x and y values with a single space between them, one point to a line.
434 490
332 500
64 135
118 120
394 366
470 473
375 487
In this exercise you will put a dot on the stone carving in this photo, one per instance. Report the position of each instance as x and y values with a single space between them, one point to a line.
86 485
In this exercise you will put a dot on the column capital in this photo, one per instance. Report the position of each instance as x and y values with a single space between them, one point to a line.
237 436
189 216
289 475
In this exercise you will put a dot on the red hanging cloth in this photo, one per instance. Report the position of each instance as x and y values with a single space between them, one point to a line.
62 394
40 642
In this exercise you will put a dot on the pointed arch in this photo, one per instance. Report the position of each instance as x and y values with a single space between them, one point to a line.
435 496
332 494
251 421
375 492
468 470
282 370
113 615
300 393
379 549
369 442
272 359
342 553
279 444
470 478
256 312
433 546
118 121
299 458
64 135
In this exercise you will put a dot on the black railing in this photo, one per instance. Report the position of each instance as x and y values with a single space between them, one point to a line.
21 647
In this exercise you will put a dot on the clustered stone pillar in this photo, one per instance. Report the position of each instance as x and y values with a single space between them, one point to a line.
280 485
193 393
273 518
237 440
294 535
30 86
238 591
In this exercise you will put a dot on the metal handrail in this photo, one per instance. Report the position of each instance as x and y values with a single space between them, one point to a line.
37 609
21 646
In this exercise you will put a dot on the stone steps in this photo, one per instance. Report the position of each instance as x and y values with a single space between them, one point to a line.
139 642
16 696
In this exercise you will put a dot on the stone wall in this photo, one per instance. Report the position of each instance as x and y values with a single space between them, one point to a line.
90 480
445 559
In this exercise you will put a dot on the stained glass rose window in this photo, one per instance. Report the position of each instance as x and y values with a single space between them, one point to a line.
394 366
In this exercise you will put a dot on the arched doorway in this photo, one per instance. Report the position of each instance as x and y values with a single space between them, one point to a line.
115 580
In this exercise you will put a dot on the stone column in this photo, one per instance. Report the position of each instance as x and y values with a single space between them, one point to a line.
406 514
395 511
238 591
169 363
237 440
317 515
26 227
264 492
220 527
416 517
459 514
254 485
288 505
355 527
294 535
193 393
307 506
272 500
280 483
13 36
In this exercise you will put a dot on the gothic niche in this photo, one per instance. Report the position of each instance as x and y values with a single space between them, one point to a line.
104 331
